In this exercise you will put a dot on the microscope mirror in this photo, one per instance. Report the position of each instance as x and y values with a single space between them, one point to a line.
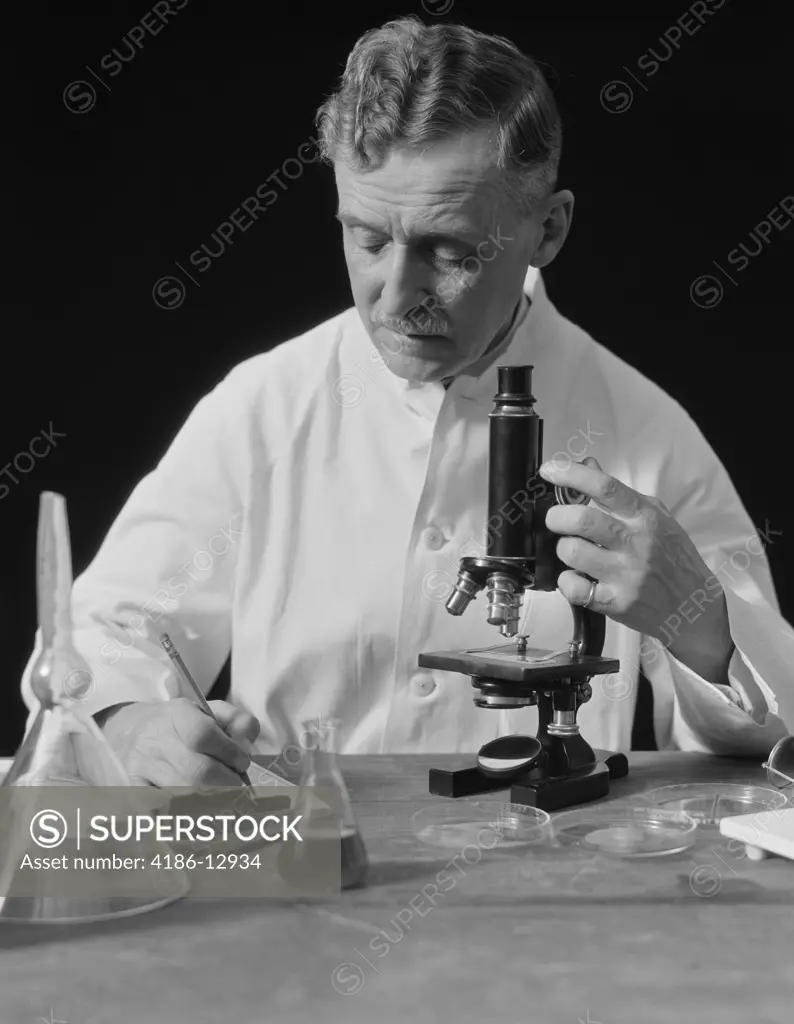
508 757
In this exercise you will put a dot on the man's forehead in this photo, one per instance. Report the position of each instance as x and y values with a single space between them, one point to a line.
455 180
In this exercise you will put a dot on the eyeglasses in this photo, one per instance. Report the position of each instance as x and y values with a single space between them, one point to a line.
780 766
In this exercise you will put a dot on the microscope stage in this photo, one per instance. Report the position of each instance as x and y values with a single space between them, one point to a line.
507 664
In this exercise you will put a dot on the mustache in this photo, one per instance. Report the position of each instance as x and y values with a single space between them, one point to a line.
416 324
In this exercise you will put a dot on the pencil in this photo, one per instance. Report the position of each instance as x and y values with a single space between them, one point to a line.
170 649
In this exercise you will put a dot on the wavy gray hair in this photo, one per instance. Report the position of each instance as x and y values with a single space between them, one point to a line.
409 84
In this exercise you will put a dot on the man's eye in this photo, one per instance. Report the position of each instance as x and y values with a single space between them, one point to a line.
445 257
450 261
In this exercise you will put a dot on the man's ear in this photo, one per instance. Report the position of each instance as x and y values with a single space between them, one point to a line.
556 217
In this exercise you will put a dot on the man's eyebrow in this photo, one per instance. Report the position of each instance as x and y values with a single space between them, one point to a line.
352 221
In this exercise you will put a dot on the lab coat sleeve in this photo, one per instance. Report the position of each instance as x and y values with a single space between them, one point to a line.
166 565
755 708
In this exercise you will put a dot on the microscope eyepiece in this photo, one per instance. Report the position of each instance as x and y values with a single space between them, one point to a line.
515 383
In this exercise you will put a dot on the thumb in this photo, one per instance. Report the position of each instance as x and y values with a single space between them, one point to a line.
592 463
237 724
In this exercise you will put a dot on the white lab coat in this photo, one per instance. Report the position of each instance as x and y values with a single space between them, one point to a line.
310 515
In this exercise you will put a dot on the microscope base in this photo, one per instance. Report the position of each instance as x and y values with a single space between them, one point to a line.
545 794
464 782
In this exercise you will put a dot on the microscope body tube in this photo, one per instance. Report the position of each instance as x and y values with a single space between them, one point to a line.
514 529
513 464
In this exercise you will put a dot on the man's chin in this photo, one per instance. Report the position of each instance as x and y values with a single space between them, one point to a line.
418 360
418 371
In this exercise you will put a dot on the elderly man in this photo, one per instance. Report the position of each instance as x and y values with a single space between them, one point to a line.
310 515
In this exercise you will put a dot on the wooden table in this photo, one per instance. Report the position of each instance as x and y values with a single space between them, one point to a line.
703 936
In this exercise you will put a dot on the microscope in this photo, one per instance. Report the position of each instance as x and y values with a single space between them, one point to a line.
558 767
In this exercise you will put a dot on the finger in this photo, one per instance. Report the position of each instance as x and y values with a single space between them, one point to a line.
589 559
236 723
197 771
599 486
200 734
587 522
576 590
156 772
140 780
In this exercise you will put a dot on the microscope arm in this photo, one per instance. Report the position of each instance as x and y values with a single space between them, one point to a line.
589 627
589 630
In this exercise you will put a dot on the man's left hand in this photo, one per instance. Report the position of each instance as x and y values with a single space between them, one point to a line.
645 566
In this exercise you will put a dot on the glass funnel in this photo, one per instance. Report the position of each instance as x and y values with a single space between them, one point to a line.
64 747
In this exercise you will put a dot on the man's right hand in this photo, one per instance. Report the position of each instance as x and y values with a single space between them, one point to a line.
174 743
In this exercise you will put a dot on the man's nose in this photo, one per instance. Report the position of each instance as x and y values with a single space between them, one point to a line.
405 284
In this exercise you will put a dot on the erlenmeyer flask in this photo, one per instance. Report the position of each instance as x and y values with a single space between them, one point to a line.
65 747
328 818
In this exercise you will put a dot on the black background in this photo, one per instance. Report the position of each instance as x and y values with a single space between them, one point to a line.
107 200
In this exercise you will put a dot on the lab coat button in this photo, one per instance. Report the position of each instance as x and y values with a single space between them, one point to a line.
433 538
423 684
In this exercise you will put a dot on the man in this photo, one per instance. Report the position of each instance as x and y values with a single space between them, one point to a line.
311 513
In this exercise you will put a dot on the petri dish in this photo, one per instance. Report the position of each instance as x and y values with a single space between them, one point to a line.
613 830
709 802
489 824
780 764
